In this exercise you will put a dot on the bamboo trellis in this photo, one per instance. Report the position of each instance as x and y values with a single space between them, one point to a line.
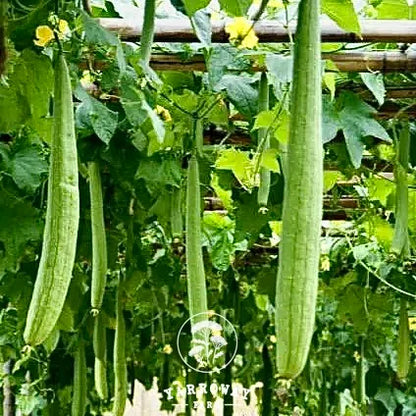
374 31
268 31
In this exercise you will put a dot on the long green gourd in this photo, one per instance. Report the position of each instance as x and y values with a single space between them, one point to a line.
62 217
99 242
360 370
100 361
197 293
297 278
120 367
400 243
264 186
176 220
148 31
403 347
79 398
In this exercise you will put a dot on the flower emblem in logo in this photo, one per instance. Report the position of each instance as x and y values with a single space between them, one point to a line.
207 342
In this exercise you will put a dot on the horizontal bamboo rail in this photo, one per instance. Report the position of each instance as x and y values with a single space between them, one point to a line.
347 61
268 31
342 209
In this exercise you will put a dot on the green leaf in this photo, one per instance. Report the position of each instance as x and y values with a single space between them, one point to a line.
280 67
192 6
248 220
262 301
26 100
218 236
24 162
331 177
352 306
223 58
241 94
159 173
330 120
395 9
239 163
375 83
264 119
235 7
379 189
201 22
138 111
282 130
20 224
92 112
95 33
269 161
386 396
343 14
357 120
381 229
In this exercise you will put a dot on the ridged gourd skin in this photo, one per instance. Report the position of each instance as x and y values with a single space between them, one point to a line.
297 278
403 349
400 244
62 217
176 218
119 357
197 292
99 242
100 361
360 370
264 186
79 397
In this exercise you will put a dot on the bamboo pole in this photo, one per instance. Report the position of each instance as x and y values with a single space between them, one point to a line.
347 61
268 31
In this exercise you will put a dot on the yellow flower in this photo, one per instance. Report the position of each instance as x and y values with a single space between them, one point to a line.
63 28
44 34
162 111
412 323
325 263
276 4
242 33
272 3
357 356
273 339
167 349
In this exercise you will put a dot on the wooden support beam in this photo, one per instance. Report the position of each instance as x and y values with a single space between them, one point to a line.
347 61
268 31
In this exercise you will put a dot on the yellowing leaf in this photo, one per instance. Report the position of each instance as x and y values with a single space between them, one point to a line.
223 194
379 189
264 119
329 80
381 229
331 177
269 161
239 163
282 131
